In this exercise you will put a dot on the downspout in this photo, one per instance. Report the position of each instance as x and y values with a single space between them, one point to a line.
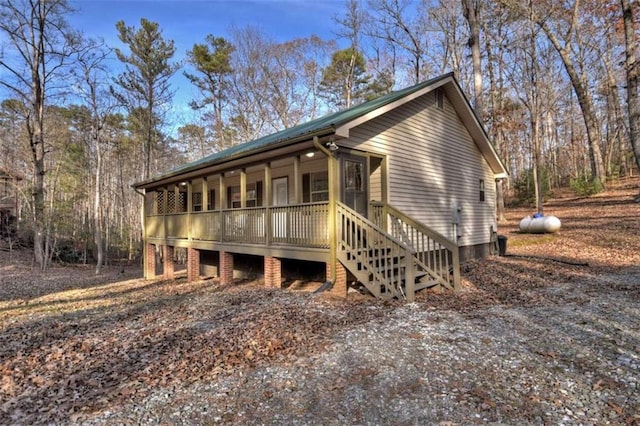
333 253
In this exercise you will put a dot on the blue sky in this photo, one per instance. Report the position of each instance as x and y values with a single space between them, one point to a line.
189 21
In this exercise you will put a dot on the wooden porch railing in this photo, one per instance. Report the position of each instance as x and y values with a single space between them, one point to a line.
434 253
303 225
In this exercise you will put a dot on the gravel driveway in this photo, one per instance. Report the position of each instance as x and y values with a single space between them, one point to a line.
572 359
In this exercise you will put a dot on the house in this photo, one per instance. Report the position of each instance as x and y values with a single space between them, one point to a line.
8 202
392 193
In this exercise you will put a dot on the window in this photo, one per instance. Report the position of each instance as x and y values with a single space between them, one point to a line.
211 202
233 197
481 188
353 172
254 195
197 201
315 187
439 98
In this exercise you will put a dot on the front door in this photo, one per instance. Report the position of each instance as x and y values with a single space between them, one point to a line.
280 194
280 191
354 183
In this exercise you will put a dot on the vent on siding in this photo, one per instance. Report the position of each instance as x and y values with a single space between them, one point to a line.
439 98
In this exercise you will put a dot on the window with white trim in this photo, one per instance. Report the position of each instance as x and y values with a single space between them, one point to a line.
315 187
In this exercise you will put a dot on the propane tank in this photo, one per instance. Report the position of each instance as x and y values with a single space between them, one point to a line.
538 224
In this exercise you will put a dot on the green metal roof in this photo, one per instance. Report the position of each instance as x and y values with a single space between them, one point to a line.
325 124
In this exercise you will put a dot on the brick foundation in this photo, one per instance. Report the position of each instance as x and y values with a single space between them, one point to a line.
226 268
193 264
150 262
272 272
169 268
340 285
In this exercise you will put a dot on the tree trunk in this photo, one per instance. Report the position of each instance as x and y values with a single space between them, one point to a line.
584 101
470 13
97 205
631 66
496 104
39 219
535 136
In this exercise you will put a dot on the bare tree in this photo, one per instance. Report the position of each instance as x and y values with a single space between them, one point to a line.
495 46
448 18
41 46
633 71
194 138
92 85
471 12
395 22
577 72
275 85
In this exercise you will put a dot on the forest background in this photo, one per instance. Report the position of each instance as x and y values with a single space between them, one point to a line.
555 83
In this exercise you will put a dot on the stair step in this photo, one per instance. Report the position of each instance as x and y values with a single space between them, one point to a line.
426 284
372 252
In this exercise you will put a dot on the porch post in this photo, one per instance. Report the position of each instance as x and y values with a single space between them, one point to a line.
223 205
243 188
297 180
150 261
193 264
145 213
189 207
267 202
272 272
340 281
176 197
384 192
168 267
332 167
165 206
205 194
226 268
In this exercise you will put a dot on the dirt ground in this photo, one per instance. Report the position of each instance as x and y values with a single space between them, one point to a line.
549 334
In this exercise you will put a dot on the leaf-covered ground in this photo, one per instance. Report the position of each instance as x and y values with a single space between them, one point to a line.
548 334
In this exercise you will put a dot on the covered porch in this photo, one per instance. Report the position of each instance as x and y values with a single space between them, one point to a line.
276 205
320 203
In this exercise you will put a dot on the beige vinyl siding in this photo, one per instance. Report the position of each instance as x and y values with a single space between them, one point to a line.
375 185
433 165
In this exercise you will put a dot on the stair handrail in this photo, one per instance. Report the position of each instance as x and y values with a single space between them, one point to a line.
409 252
435 235
375 226
451 277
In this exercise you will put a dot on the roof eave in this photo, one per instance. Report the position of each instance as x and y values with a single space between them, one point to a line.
479 134
243 154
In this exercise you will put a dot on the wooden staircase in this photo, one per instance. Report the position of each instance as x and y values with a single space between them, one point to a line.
394 266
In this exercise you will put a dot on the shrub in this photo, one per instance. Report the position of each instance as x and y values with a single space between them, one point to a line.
583 186
524 189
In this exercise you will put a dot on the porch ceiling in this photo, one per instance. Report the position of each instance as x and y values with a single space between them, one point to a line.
253 162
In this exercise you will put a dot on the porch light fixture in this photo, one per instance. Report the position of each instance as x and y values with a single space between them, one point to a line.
183 183
310 154
332 146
